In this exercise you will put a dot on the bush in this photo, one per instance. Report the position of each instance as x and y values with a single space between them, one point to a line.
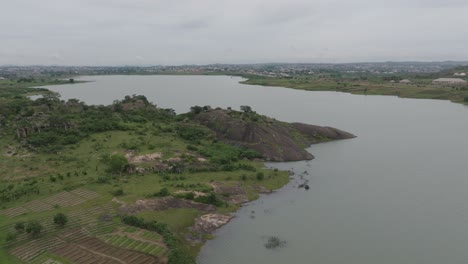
60 219
118 192
210 199
192 148
163 192
193 133
260 176
34 229
116 163
19 226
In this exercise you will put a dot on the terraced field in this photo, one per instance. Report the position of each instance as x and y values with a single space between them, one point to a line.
87 220
63 199
78 243
92 250
147 247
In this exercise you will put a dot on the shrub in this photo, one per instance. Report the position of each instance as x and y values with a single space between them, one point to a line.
60 219
34 229
116 163
162 193
19 226
210 199
118 192
192 148
193 133
260 176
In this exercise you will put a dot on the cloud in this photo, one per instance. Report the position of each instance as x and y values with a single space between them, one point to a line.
89 32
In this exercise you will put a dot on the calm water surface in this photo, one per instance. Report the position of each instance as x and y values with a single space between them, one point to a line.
396 194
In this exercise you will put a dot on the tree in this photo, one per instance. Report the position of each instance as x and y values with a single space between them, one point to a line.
34 229
117 163
246 109
196 109
19 227
60 219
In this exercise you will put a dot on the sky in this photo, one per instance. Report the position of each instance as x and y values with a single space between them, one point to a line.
176 32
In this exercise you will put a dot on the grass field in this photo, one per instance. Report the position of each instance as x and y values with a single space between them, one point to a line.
420 88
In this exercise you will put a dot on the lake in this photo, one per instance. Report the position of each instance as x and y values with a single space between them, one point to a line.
398 193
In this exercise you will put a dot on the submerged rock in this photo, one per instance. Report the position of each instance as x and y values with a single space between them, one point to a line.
274 242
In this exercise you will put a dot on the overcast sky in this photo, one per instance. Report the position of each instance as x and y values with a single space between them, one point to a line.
173 32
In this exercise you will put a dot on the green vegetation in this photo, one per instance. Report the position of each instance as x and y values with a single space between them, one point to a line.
60 219
177 254
34 228
420 86
62 163
116 163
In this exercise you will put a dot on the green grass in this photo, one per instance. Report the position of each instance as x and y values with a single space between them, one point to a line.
420 88
177 219
7 258
152 236
130 229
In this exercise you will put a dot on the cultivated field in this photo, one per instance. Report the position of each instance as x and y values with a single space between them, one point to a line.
60 200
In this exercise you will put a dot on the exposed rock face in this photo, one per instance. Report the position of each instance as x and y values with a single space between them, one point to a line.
210 222
315 133
274 140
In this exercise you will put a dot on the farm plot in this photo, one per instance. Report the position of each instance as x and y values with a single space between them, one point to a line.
45 258
38 206
78 255
13 212
64 199
87 250
147 247
151 236
74 234
86 220
87 194
34 248
46 223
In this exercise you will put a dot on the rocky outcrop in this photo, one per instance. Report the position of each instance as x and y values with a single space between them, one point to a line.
207 224
274 140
